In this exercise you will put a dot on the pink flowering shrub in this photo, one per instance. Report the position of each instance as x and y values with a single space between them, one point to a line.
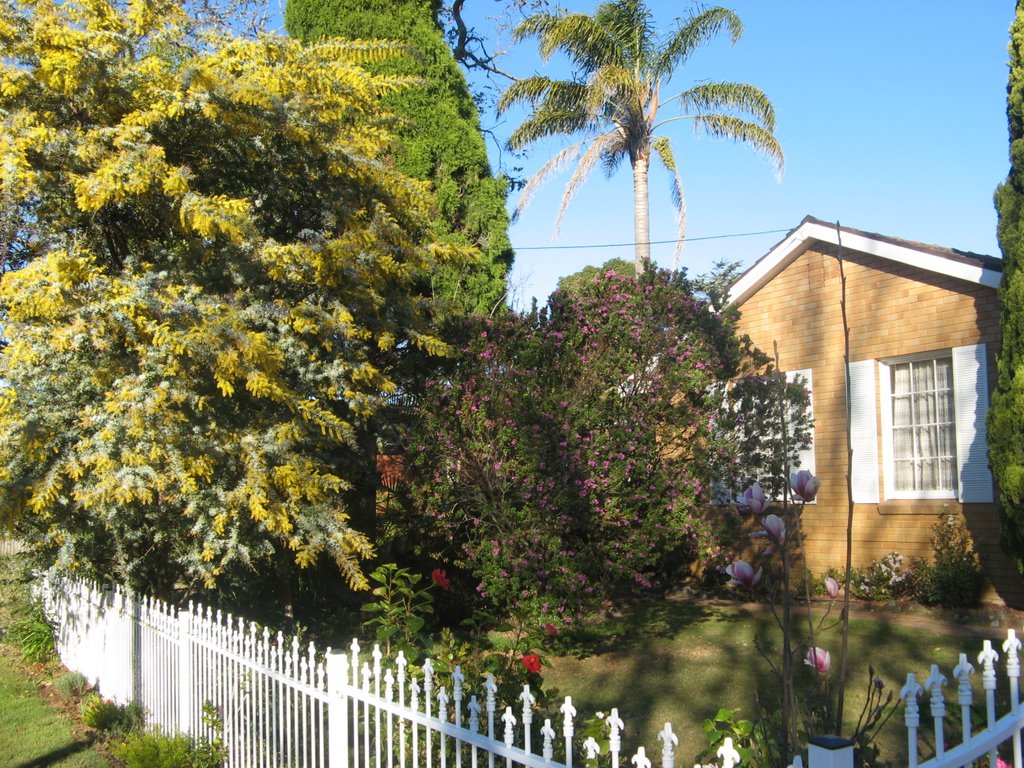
564 456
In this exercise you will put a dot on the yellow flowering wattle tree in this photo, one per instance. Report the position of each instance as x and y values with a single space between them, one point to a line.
211 282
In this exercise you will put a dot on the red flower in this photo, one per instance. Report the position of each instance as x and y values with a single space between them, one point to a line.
550 629
440 577
532 662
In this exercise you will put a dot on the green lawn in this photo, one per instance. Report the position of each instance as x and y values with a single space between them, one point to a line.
677 662
33 733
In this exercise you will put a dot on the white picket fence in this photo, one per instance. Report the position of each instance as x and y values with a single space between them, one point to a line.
285 705
1000 735
11 546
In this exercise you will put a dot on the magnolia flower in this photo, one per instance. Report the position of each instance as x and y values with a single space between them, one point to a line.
753 500
831 587
818 658
742 574
774 528
804 485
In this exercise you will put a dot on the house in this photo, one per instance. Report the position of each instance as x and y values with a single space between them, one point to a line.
924 332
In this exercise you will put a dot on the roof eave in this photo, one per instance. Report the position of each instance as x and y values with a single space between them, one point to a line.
801 238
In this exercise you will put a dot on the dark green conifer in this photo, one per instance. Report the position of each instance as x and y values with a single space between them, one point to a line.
1006 417
439 136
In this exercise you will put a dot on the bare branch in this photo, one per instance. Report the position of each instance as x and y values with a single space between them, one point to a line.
468 47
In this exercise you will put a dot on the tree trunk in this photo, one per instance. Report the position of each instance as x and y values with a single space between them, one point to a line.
641 212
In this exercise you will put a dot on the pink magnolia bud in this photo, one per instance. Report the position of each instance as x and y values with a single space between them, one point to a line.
743 574
831 587
804 485
818 658
753 500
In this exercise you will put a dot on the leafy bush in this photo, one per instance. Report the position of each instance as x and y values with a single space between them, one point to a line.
567 456
726 724
883 579
155 750
953 578
399 610
110 717
158 750
210 752
71 685
33 635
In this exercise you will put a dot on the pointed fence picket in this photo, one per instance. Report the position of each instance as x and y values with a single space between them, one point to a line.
1000 739
286 705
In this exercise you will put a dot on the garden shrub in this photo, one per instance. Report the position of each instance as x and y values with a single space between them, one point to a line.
32 635
158 750
109 717
883 579
71 685
155 750
399 609
953 577
564 457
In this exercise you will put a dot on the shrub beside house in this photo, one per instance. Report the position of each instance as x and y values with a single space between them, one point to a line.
924 332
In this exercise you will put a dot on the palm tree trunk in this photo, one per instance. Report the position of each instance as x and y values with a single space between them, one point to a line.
641 212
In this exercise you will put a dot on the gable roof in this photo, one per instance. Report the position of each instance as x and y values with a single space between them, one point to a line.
972 267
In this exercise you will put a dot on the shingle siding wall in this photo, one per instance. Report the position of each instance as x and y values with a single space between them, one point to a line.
893 310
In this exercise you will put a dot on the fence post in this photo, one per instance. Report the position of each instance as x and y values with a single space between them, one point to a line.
185 671
337 709
118 686
830 752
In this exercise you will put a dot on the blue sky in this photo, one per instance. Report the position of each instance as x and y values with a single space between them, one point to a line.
892 116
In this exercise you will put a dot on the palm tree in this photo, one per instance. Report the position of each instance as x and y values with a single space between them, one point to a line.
614 101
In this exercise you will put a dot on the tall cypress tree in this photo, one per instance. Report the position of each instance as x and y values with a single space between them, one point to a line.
439 136
1006 417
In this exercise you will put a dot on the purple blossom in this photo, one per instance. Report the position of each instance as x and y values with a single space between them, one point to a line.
743 574
818 658
753 500
774 528
831 587
804 485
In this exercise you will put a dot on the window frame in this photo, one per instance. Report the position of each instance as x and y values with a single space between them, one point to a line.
885 407
806 458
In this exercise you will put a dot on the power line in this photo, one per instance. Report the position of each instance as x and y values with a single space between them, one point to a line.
652 242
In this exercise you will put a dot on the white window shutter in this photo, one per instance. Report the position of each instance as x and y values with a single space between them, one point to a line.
806 455
970 388
863 432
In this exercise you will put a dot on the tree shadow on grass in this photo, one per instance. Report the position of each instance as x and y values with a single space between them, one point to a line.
682 662
56 756
644 620
671 662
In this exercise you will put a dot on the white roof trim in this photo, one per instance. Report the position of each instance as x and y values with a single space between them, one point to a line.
778 257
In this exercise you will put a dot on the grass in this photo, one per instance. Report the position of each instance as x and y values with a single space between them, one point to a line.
33 732
665 661
36 727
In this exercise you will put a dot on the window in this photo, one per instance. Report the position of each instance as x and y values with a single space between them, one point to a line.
920 405
805 456
933 437
758 434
